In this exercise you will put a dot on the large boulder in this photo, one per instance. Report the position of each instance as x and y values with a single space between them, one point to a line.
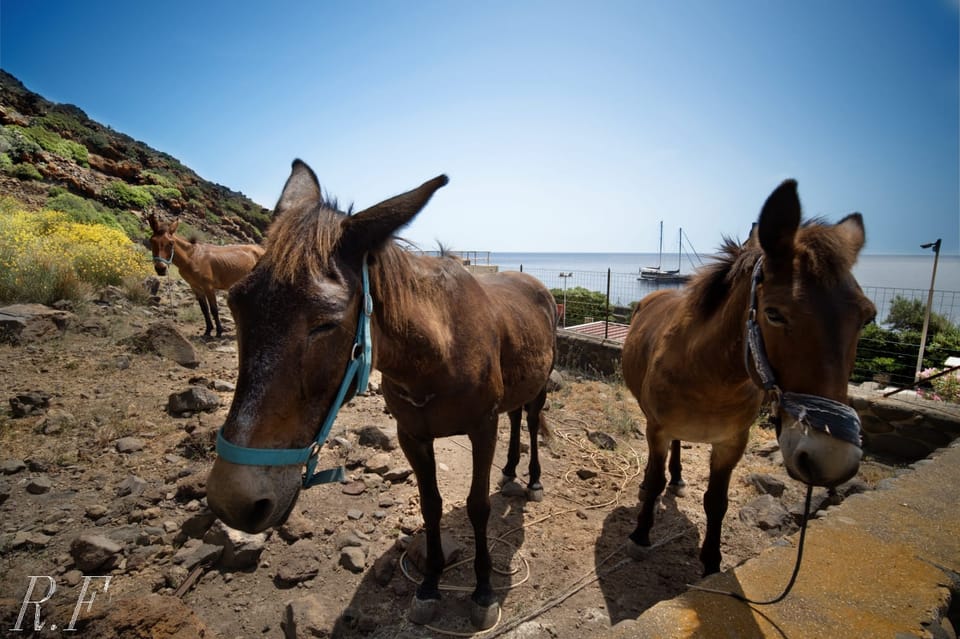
25 323
165 340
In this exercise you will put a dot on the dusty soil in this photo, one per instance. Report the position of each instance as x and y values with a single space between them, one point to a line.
568 544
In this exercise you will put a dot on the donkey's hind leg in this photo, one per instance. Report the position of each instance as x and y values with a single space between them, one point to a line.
534 487
513 452
654 481
215 312
676 486
205 307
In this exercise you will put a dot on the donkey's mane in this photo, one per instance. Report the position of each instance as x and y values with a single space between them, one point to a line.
819 252
304 240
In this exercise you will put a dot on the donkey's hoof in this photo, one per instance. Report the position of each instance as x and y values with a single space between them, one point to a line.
484 617
636 551
504 480
423 611
679 489
512 488
535 492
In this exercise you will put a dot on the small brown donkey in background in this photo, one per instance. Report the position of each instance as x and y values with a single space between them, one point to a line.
207 268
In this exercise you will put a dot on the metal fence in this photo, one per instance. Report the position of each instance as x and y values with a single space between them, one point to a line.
608 297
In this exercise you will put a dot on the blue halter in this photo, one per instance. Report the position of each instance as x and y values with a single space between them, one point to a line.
820 413
358 369
157 258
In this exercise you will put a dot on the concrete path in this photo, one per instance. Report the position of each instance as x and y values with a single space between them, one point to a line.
882 564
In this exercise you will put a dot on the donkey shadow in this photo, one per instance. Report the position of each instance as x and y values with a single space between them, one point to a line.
630 587
380 602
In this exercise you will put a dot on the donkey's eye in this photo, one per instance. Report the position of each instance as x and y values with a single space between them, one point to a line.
774 317
870 319
320 329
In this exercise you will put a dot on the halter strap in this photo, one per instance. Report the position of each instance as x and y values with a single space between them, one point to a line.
361 359
820 413
157 258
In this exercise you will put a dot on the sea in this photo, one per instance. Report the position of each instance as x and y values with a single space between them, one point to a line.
887 271
882 277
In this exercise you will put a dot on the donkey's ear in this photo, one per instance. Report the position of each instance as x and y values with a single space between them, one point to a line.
173 227
371 228
853 234
778 224
302 187
152 220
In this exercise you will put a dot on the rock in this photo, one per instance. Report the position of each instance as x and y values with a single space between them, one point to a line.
353 559
310 616
91 551
26 323
95 511
12 466
296 527
586 473
193 400
411 524
555 381
767 484
129 444
223 386
385 566
354 514
354 488
191 487
417 550
378 463
132 485
375 437
397 475
33 403
55 421
4 491
39 485
767 513
197 525
240 550
602 440
154 616
164 339
194 555
298 564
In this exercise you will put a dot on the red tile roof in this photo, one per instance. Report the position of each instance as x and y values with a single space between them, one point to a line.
614 331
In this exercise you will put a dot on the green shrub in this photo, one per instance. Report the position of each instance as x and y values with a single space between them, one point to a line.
15 142
25 171
119 193
580 304
158 178
5 162
52 142
162 193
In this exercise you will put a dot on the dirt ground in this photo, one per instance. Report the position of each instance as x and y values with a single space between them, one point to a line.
561 567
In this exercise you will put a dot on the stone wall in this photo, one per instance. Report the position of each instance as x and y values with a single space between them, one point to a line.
901 430
591 355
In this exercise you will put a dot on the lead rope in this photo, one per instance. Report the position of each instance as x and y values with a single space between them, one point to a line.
796 567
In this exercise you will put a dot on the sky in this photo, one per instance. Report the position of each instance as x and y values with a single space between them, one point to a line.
563 126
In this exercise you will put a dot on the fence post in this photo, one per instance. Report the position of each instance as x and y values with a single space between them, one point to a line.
606 313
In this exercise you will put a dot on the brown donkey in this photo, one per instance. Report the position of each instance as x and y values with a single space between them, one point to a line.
777 319
207 268
454 350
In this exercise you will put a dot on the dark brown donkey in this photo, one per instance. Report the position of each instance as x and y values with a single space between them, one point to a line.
789 293
207 268
454 351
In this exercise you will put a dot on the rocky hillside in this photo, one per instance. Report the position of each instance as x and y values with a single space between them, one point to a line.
49 149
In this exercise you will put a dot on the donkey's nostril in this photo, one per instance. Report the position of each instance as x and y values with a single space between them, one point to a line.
261 511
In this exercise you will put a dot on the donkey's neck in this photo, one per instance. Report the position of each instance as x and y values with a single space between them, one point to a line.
411 323
183 253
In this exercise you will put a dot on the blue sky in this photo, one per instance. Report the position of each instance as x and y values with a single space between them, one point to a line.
564 126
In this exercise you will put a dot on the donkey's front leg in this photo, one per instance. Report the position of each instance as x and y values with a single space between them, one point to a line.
426 602
486 609
205 307
215 312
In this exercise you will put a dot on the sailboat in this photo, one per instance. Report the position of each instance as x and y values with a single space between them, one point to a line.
658 274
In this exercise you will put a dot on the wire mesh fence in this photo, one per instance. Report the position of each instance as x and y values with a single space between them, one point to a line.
886 357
